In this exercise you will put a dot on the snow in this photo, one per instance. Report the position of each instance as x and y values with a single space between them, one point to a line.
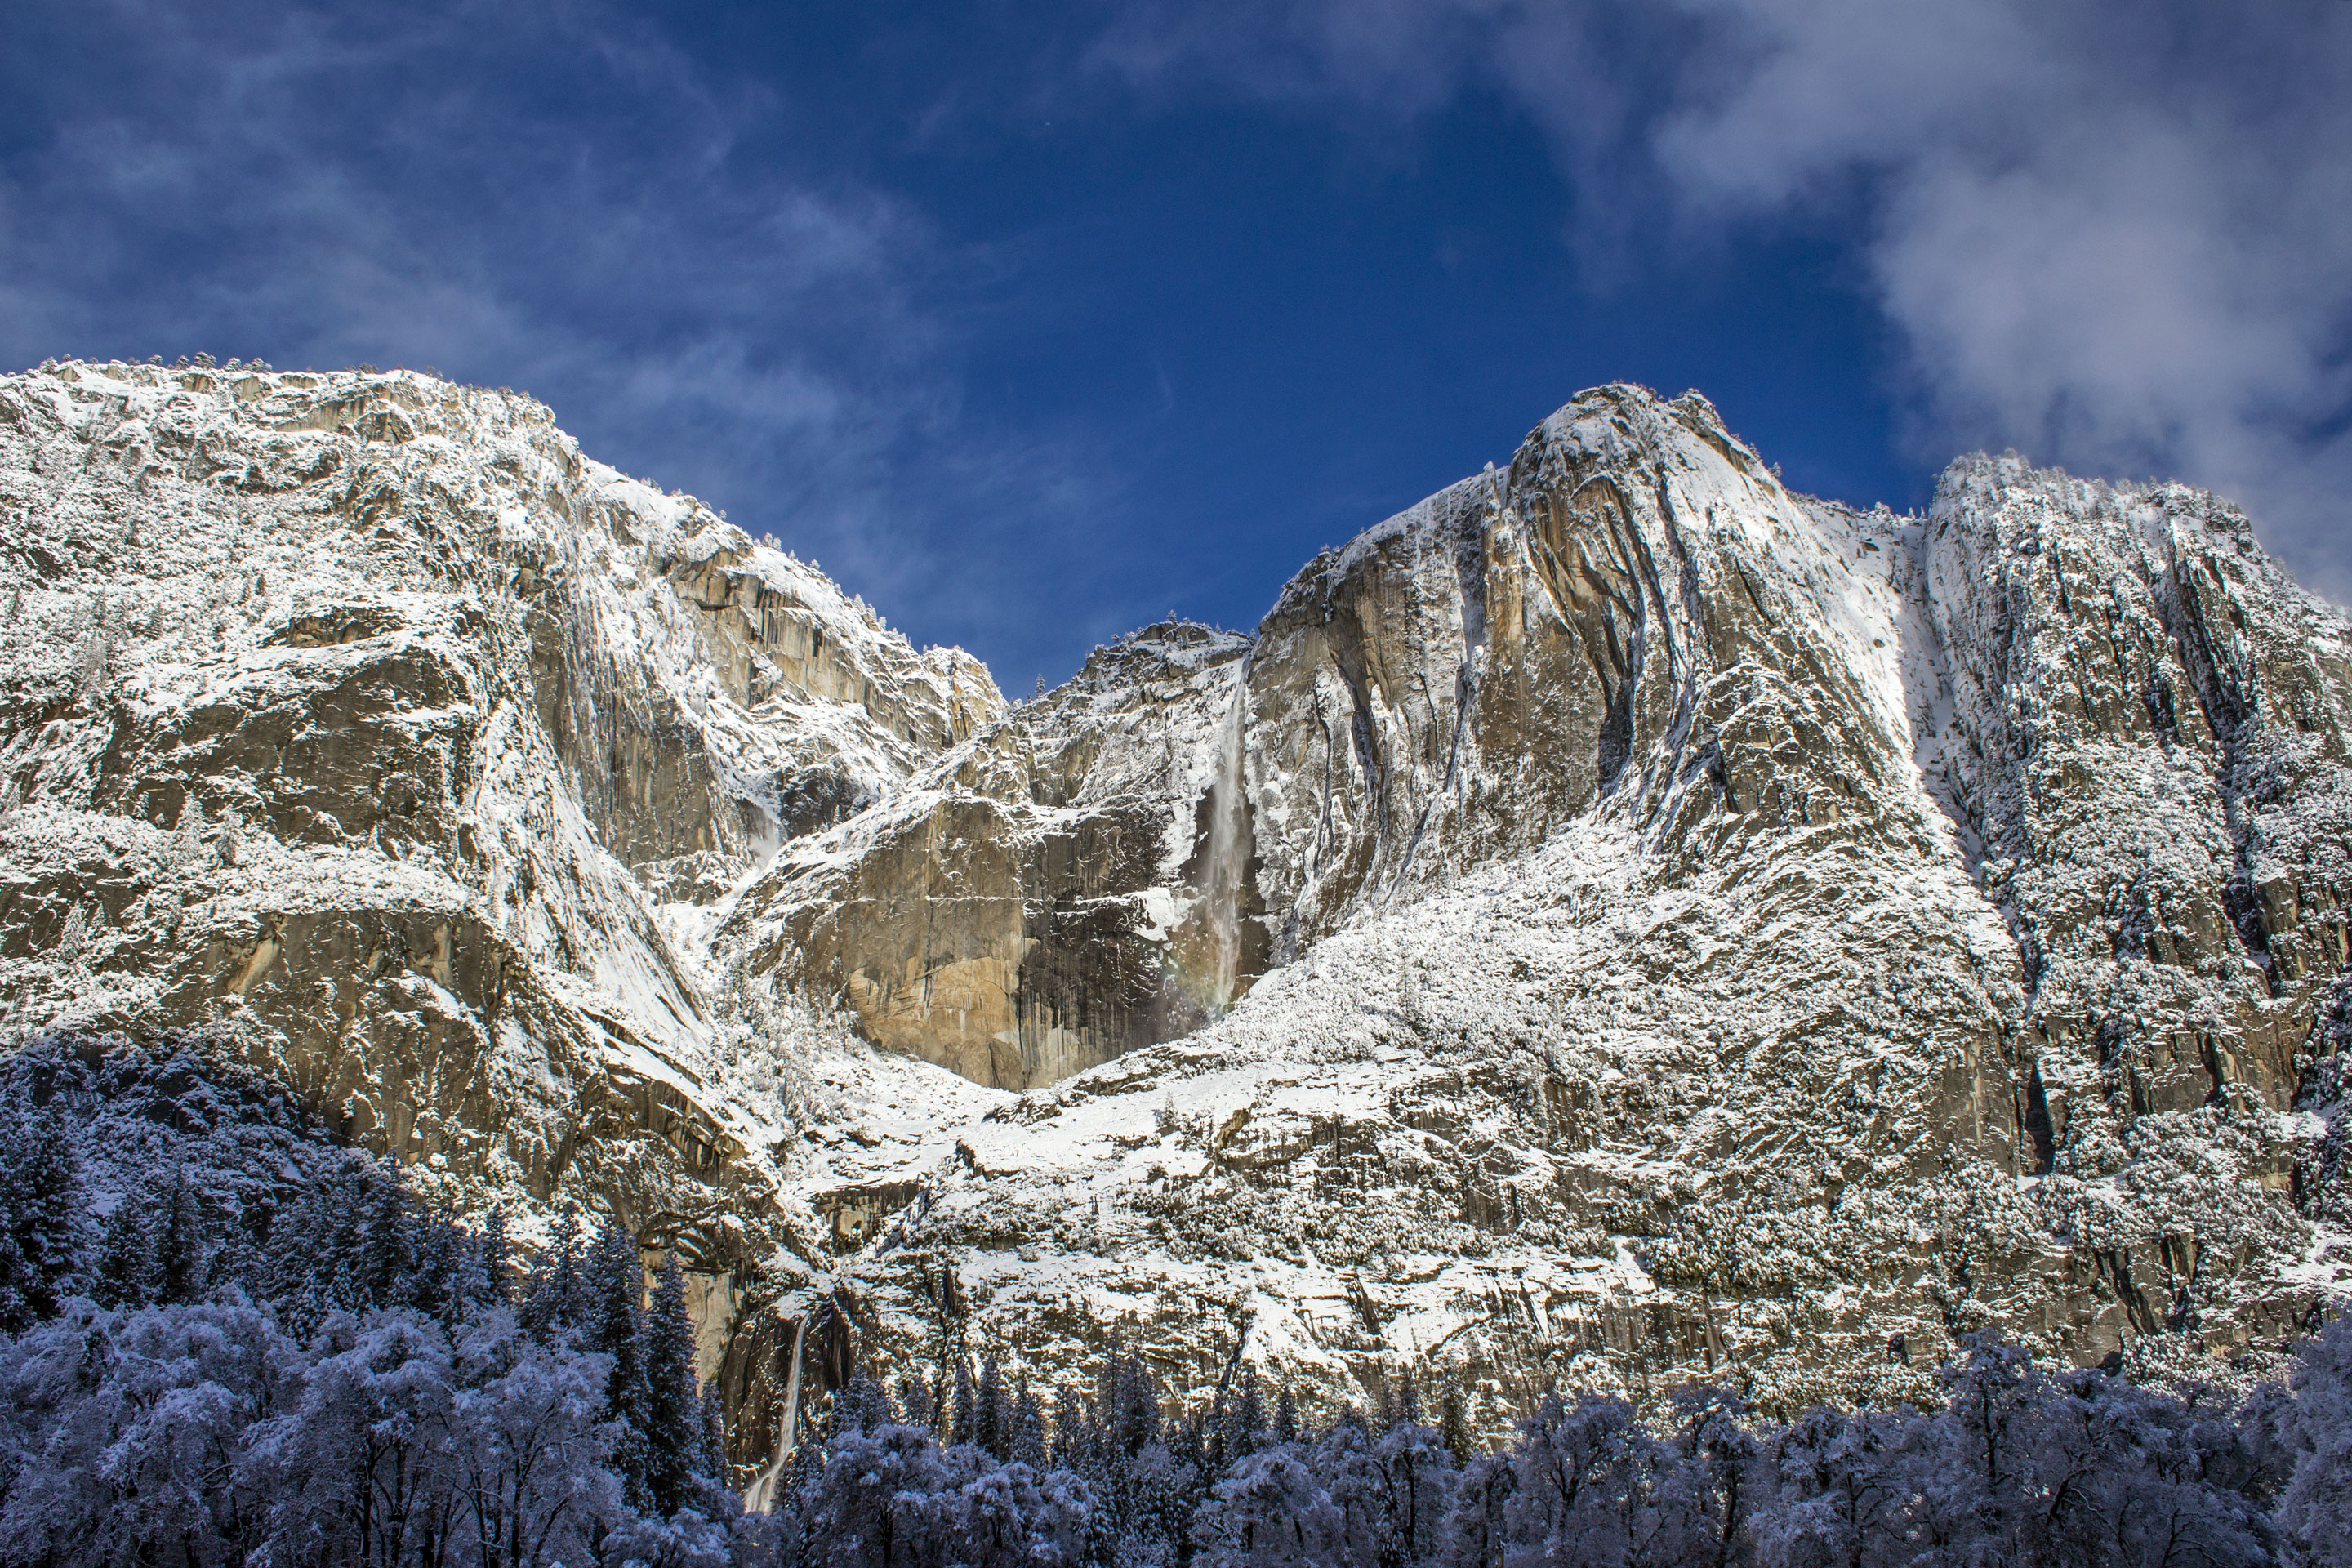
1636 1053
295 535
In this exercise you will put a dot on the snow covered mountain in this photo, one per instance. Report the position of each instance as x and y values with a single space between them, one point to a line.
1617 919
358 720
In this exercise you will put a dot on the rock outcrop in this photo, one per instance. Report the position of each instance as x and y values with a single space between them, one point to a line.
1616 919
360 723
1068 887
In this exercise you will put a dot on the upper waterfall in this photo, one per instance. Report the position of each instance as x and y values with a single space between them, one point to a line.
1229 851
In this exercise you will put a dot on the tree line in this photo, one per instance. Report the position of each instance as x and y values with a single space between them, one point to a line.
267 1351
2024 1466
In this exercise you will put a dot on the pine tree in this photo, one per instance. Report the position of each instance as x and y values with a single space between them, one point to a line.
988 1410
1285 1416
864 1405
124 1275
674 1438
796 1491
40 1216
710 1460
385 1256
616 1328
301 1269
922 1406
232 1263
1072 1450
555 1304
497 1259
963 1422
179 1238
1455 1425
431 1283
1131 1407
1247 1418
1025 1437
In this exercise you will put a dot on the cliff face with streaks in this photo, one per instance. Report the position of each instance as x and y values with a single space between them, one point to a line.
1616 920
360 723
1693 927
1065 888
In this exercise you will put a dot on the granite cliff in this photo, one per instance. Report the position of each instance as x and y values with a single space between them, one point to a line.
1616 919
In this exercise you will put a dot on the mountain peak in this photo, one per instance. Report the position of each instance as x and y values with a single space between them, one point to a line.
1616 918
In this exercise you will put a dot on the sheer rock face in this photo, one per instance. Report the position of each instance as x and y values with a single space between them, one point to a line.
1716 930
1615 920
1634 605
363 722
2151 752
1038 902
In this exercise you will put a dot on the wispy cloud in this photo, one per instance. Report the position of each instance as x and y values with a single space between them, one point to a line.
543 195
2116 238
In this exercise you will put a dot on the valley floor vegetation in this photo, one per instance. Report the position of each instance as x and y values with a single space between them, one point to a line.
230 1340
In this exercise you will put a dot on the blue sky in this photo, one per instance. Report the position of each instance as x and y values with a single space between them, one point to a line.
1033 323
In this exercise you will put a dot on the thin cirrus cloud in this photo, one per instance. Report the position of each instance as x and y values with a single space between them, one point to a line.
547 195
2117 238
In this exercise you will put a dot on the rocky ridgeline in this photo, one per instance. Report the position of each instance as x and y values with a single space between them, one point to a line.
1615 920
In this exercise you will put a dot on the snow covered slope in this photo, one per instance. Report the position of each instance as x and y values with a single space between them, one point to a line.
1714 930
360 720
1616 920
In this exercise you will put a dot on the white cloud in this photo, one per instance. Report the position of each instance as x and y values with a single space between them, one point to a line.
545 195
2116 238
